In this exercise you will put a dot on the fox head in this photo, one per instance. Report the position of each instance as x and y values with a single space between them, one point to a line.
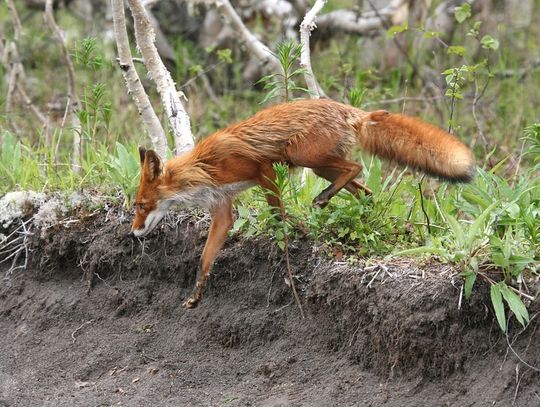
150 207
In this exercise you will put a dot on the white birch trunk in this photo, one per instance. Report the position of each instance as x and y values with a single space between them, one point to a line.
178 117
307 25
135 88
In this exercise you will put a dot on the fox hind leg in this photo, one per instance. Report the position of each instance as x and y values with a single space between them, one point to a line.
352 186
343 173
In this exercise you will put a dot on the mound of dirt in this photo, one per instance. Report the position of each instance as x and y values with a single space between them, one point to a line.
95 319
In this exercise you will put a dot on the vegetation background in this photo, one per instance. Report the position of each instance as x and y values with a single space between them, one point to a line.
479 78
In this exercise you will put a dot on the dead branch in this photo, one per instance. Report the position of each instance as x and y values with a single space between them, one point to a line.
178 118
17 27
255 47
349 21
135 88
28 104
72 95
307 25
15 71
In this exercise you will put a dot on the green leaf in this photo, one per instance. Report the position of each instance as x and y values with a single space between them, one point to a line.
498 306
225 55
374 181
513 210
488 42
396 29
470 278
421 250
457 230
432 34
462 12
456 50
239 223
478 223
243 212
515 304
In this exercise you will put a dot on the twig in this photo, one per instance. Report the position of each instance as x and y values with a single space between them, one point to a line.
422 203
291 278
287 260
24 233
79 328
515 353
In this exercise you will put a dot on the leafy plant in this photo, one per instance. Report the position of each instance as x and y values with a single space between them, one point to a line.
124 171
284 83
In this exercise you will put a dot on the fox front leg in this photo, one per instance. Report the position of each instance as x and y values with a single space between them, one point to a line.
222 221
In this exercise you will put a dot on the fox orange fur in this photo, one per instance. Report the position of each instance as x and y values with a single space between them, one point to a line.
317 134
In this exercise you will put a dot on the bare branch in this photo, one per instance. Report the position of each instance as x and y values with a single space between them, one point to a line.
308 24
255 47
149 118
178 118
15 72
72 95
349 21
28 103
17 27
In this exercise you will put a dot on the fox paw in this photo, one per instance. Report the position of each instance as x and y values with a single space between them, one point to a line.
190 303
319 203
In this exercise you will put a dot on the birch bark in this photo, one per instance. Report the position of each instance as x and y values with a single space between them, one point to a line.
170 97
135 88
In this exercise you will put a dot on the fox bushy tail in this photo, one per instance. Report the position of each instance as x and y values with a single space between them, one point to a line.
417 144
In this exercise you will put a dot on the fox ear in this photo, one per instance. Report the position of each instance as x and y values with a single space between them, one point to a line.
142 153
151 165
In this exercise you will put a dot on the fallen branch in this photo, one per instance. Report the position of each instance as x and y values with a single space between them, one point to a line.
255 47
178 118
135 88
349 21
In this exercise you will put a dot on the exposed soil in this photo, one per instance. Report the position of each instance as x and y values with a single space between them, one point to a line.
386 333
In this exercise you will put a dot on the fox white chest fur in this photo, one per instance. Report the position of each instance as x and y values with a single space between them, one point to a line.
210 196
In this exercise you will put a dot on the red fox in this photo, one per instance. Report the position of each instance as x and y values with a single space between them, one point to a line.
318 134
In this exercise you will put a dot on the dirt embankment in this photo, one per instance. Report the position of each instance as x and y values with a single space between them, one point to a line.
386 333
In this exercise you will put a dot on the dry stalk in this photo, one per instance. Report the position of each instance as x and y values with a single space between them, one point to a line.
72 95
